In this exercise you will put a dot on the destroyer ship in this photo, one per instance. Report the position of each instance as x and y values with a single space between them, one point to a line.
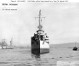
40 40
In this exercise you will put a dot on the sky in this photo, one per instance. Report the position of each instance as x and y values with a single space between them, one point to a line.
61 22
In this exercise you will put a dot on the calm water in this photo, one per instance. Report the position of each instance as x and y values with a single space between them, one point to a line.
23 57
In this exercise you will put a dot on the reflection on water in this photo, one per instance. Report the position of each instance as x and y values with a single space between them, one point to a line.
43 61
35 55
37 59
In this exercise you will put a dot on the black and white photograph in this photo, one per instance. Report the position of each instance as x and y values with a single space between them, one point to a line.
39 33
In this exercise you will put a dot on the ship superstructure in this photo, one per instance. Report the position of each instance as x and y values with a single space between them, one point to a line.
40 40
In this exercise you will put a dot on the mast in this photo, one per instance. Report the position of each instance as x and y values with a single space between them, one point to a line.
40 26
11 41
40 20
75 44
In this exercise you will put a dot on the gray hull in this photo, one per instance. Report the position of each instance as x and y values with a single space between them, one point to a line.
43 51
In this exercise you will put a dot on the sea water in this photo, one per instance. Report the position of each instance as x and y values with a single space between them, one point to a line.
23 57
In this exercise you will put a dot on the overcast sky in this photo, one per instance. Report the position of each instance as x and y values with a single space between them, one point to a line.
61 22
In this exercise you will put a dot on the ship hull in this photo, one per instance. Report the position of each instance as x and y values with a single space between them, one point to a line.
44 50
44 47
39 47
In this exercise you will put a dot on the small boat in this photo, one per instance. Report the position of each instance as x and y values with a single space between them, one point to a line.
75 48
40 40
